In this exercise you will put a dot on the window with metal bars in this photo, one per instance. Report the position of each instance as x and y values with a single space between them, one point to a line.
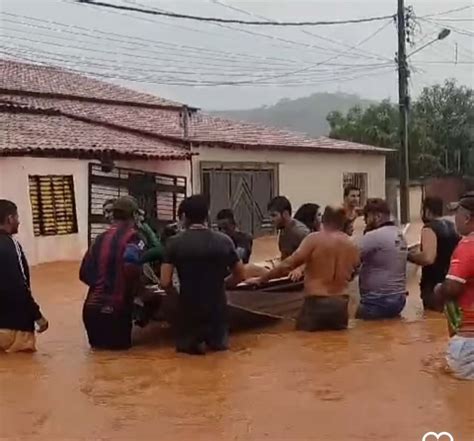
53 205
359 180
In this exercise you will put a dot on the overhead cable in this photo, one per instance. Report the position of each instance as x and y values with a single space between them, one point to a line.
230 20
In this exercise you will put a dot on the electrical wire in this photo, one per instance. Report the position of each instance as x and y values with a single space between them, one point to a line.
452 28
191 71
134 40
173 81
449 11
312 34
97 63
231 21
275 40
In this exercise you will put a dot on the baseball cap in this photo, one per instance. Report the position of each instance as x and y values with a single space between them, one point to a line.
126 204
466 201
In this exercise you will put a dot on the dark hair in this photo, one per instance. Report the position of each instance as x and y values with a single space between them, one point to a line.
350 188
280 204
376 206
109 202
335 216
306 214
7 208
195 208
435 204
226 213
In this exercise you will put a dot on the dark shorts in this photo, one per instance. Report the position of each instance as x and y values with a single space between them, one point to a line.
112 331
323 313
380 306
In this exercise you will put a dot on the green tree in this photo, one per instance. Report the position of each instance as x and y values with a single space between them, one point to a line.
441 131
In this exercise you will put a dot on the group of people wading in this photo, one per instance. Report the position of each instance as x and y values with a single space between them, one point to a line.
316 247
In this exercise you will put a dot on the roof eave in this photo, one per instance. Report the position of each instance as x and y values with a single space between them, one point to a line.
307 149
89 154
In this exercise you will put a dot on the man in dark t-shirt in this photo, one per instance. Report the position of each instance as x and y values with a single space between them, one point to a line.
243 242
203 259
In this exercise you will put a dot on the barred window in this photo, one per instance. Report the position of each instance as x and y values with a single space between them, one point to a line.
360 181
53 205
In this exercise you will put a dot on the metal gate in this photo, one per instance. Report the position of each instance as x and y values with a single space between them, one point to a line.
158 194
247 191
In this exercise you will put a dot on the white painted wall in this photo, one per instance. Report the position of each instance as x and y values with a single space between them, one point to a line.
14 186
305 177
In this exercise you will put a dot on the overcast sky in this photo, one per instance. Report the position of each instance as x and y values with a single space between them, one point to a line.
148 53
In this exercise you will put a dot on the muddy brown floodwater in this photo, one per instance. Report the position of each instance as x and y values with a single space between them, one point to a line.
377 381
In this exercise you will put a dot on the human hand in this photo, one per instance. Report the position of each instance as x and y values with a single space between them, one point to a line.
254 281
296 275
41 325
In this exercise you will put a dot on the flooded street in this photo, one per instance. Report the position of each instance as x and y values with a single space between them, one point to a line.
376 381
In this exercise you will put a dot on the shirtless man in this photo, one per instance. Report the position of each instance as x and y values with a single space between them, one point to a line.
331 261
352 206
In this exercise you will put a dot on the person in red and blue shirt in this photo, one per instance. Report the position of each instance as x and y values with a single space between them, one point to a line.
457 293
111 269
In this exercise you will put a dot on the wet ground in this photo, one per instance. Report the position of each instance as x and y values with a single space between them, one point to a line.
377 381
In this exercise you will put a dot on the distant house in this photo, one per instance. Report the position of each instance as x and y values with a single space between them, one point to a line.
69 142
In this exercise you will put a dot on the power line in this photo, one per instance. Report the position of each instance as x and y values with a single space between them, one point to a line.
231 21
312 34
273 38
32 56
159 68
456 19
133 40
449 11
98 63
200 59
457 30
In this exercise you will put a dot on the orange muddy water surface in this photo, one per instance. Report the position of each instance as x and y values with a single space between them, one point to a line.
376 381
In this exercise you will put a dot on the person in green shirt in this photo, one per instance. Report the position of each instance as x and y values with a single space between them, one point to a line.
154 247
147 302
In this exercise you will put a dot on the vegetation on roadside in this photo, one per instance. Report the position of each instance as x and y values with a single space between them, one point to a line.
441 130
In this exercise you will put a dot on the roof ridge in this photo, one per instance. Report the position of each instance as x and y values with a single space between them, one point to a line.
60 70
92 99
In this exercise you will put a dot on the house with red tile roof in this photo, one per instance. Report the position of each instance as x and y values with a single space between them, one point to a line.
68 142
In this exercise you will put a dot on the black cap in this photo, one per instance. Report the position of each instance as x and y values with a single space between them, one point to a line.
466 201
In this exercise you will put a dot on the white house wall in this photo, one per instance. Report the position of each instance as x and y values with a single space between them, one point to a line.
304 177
14 174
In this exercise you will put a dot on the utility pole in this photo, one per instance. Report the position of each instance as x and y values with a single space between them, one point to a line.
403 101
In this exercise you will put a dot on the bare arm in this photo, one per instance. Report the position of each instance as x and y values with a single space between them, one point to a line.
166 279
237 275
298 258
448 290
427 254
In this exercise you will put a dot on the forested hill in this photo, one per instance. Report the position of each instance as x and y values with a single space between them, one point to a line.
306 114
